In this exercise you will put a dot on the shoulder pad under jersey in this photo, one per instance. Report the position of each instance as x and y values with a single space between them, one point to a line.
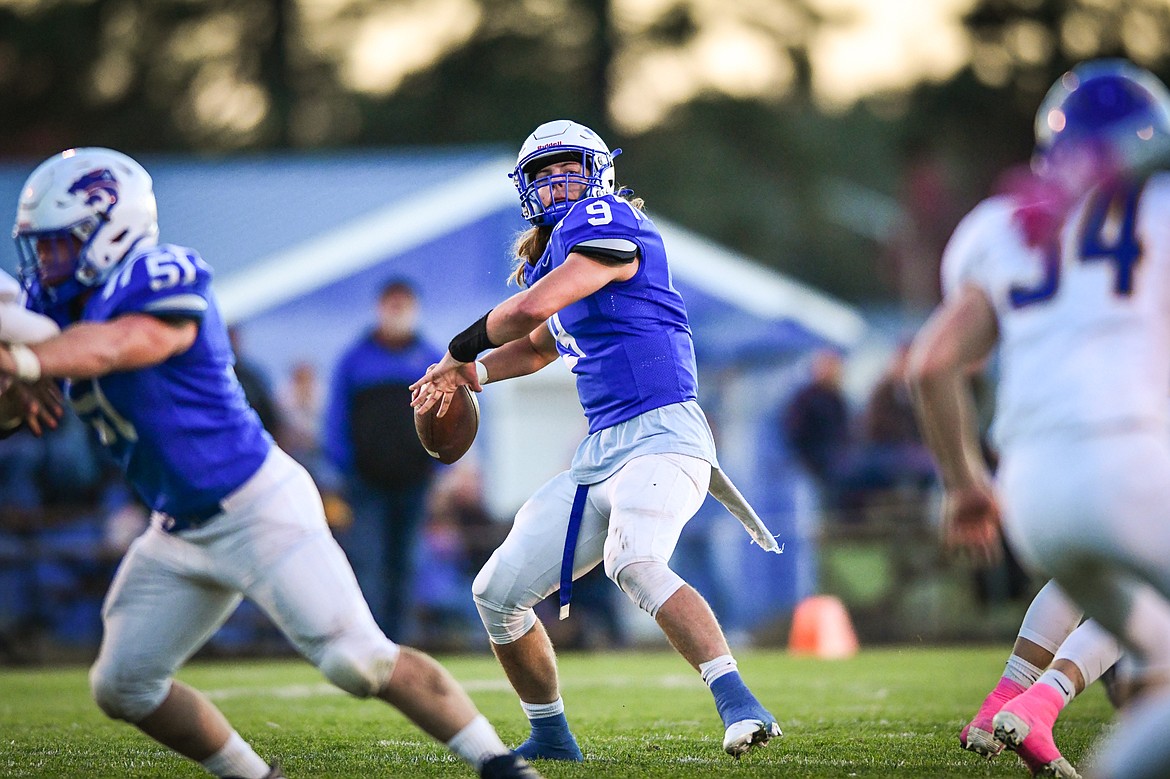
164 280
969 246
607 226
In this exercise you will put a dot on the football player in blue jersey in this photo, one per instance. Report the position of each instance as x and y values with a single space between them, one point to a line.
145 359
598 293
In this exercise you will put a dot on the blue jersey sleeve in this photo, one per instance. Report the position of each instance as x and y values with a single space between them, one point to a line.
605 227
166 281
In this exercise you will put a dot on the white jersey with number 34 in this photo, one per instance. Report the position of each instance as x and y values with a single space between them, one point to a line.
1084 326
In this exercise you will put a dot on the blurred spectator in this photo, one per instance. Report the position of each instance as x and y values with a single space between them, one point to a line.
891 455
65 468
257 387
816 425
74 469
301 405
369 438
889 415
458 498
54 562
22 604
458 537
20 462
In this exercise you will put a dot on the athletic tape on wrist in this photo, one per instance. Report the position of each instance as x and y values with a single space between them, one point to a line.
28 365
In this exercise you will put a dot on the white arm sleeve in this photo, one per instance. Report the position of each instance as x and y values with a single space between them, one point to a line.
10 291
18 325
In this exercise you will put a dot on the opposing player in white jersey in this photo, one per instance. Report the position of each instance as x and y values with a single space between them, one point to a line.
147 363
598 293
1071 278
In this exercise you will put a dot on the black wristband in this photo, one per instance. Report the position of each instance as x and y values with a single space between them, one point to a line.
466 346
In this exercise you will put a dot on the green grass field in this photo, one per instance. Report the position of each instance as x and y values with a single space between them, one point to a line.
886 713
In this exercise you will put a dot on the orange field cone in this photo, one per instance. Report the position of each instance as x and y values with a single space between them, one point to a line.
821 627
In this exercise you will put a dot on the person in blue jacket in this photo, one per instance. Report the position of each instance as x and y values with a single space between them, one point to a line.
370 440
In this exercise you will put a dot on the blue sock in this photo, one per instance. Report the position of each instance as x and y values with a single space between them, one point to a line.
735 701
551 739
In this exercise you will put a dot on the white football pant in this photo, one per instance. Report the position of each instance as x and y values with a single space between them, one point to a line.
271 545
635 516
1093 511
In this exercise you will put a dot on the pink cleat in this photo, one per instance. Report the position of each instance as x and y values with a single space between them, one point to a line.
979 734
1024 725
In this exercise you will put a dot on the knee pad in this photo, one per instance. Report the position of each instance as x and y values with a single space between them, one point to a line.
504 625
126 691
359 663
649 584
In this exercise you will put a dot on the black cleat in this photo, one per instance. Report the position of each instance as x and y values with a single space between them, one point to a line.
509 766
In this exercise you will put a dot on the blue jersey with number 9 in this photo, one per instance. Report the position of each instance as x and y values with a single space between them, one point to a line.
181 430
629 344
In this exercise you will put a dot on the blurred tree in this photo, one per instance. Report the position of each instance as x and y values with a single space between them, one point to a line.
140 75
719 105
523 63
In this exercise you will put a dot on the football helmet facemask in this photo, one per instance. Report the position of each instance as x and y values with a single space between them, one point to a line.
80 214
1107 108
561 140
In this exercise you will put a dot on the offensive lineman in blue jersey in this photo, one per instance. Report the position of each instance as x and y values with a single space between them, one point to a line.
598 293
146 361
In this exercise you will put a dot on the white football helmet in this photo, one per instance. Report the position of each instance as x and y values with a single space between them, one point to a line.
559 141
80 213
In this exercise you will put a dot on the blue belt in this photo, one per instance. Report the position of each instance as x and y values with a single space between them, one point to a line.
175 523
571 547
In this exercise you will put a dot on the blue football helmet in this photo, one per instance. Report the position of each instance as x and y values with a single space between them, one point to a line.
1109 107
80 213
560 141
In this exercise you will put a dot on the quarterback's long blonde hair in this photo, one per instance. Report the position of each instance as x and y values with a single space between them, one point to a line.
530 244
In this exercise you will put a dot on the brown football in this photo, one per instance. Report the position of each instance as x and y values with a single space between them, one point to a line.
448 437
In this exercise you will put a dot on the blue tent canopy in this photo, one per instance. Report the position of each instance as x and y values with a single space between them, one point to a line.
313 237
301 245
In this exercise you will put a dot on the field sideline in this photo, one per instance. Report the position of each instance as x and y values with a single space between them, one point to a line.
892 712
